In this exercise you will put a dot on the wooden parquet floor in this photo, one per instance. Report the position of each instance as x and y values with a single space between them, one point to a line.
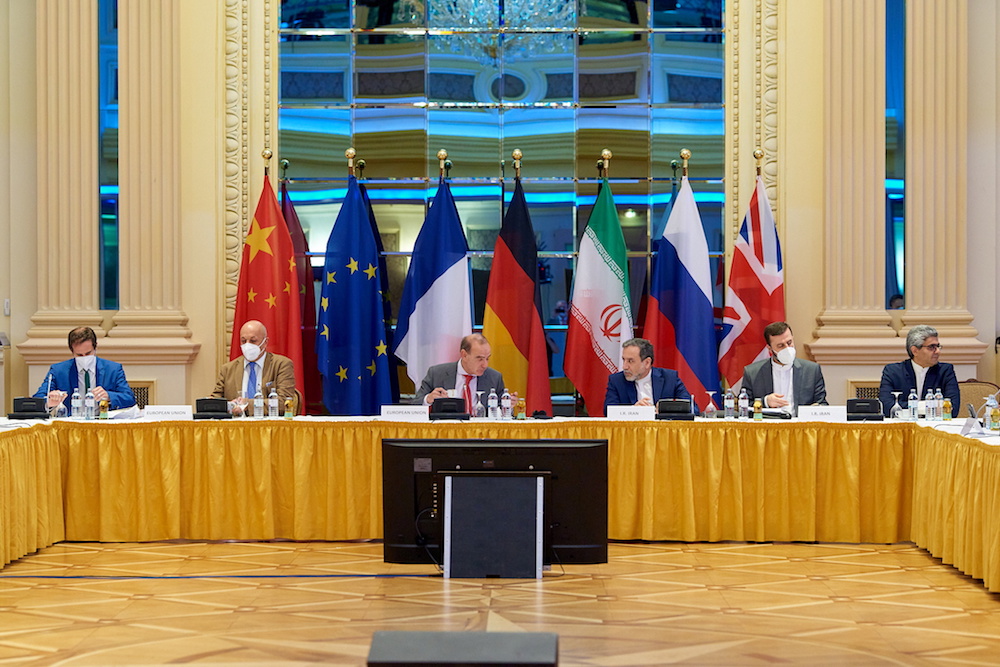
287 603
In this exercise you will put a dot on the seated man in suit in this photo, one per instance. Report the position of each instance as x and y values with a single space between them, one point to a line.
782 381
640 383
257 370
86 371
921 372
472 373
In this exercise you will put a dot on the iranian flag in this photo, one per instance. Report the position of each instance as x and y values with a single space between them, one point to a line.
600 314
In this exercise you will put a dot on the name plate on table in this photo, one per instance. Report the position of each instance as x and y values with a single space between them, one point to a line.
632 413
162 412
823 413
405 413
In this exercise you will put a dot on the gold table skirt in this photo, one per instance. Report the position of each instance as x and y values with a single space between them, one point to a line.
311 479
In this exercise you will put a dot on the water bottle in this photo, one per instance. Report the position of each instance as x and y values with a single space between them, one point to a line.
911 403
991 402
729 402
258 405
929 406
946 408
76 405
493 401
272 404
744 404
758 409
506 411
88 406
939 405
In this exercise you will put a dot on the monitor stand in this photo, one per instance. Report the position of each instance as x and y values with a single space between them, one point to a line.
493 524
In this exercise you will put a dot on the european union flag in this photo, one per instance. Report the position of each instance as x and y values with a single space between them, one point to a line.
351 343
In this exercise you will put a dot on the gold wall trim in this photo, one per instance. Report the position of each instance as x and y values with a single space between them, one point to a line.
237 168
752 103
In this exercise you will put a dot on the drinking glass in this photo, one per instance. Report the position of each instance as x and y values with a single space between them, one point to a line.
480 410
896 412
240 405
710 408
58 411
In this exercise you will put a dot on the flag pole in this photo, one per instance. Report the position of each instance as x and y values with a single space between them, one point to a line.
267 154
517 155
360 165
605 161
685 156
349 154
284 164
759 156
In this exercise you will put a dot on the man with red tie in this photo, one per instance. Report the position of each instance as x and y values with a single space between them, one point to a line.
472 373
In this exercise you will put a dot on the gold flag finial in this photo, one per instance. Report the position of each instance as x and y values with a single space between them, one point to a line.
606 160
685 156
349 154
442 155
267 154
759 156
517 155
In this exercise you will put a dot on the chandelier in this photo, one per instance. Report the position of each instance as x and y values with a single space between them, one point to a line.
488 29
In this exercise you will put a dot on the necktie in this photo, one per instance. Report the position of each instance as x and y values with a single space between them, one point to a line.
467 394
252 381
86 382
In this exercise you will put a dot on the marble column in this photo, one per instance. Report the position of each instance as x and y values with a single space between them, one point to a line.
936 158
67 157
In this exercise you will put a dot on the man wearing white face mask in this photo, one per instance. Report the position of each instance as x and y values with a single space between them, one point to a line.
86 371
783 381
257 370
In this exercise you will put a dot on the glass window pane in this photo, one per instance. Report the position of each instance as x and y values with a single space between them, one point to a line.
545 137
622 129
472 139
686 72
700 130
613 67
304 16
390 70
316 71
613 14
314 140
392 140
705 14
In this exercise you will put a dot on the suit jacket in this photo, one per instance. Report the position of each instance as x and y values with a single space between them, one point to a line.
666 384
443 375
279 372
110 375
900 377
807 382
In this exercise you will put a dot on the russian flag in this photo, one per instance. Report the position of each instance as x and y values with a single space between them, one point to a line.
679 317
436 309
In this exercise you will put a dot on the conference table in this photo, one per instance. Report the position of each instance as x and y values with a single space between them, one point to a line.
320 479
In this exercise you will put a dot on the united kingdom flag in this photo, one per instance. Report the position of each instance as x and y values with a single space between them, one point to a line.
755 296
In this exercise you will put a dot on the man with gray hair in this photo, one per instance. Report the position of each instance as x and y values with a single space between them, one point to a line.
921 371
639 383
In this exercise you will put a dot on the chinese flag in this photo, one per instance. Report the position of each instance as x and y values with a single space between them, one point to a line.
269 284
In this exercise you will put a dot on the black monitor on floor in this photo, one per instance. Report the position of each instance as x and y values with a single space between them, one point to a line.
576 493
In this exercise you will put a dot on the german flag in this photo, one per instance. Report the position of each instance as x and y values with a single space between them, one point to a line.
513 319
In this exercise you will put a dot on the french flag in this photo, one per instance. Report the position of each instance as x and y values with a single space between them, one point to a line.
679 317
756 293
436 308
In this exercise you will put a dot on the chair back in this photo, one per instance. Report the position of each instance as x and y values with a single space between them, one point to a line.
975 392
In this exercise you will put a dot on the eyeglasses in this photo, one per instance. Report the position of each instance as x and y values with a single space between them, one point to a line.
933 346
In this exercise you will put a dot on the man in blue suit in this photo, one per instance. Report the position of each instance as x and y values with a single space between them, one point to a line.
86 371
921 372
640 383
